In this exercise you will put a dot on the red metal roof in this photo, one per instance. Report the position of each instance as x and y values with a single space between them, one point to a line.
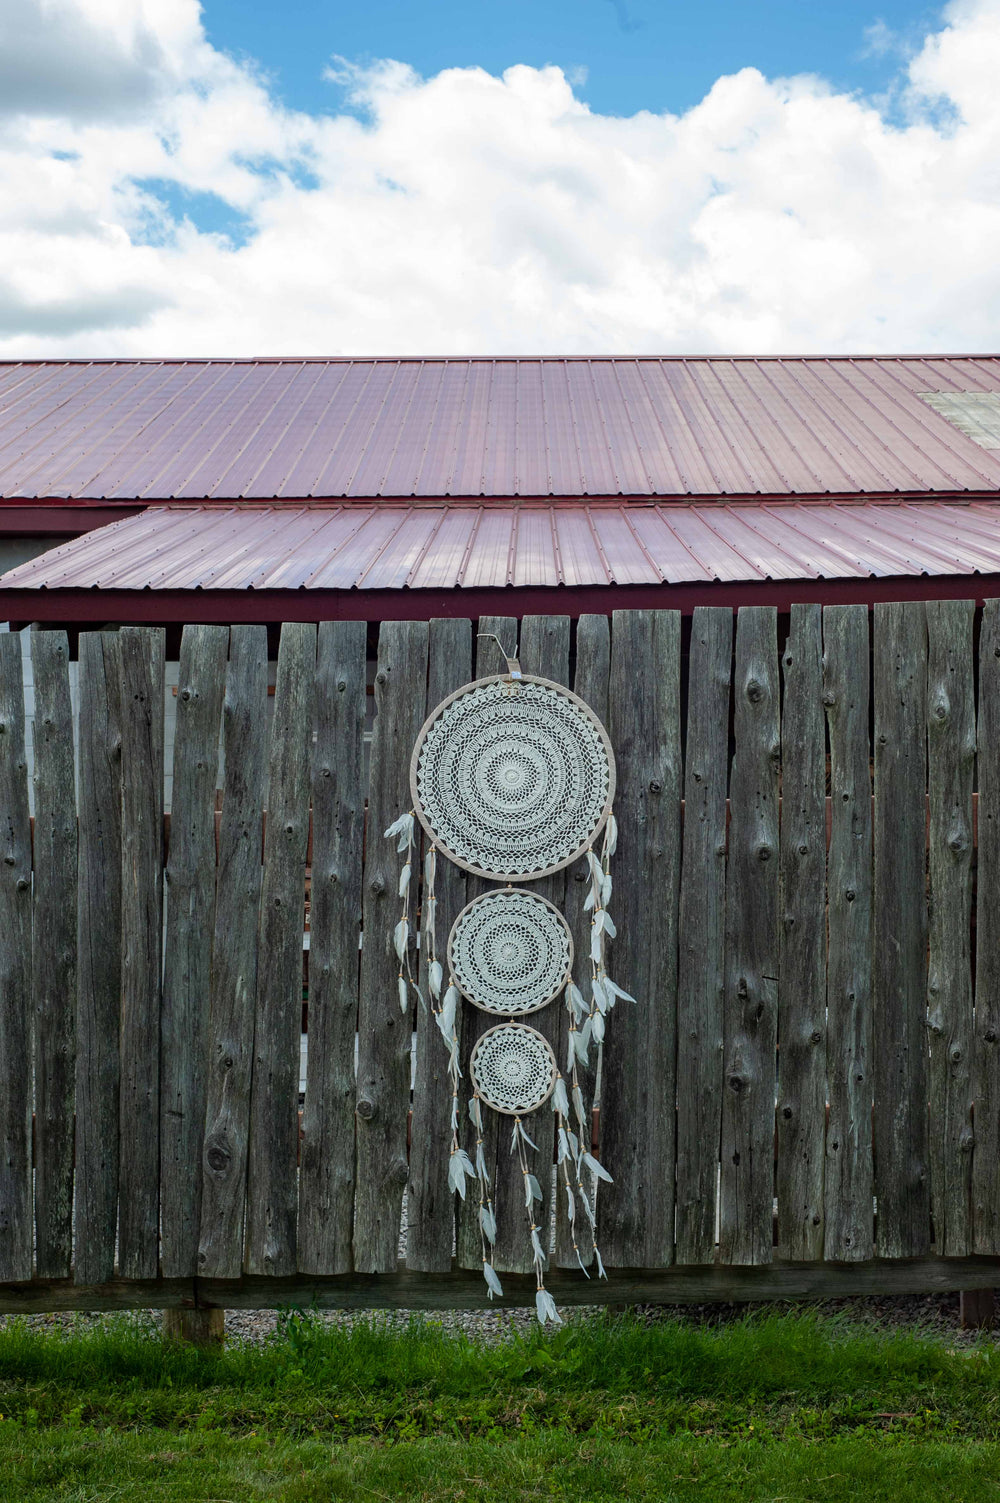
298 429
461 546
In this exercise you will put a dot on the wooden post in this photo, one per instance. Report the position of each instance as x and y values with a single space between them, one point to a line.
977 1309
204 1328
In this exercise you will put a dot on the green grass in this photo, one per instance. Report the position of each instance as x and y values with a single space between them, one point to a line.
788 1407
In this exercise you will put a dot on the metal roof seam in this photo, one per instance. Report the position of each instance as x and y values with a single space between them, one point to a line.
380 410
838 428
328 460
556 550
423 552
427 431
632 429
604 426
724 440
867 424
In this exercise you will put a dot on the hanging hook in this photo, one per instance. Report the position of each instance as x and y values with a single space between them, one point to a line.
513 666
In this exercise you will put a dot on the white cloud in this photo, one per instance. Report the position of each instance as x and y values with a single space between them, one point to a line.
469 213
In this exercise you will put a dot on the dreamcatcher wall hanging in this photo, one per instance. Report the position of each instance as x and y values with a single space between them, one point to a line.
513 778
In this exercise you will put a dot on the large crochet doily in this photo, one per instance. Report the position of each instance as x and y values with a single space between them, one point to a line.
513 1069
513 780
510 952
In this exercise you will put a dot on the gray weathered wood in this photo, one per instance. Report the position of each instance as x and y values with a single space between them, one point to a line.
272 1185
849 1229
899 931
99 958
543 650
384 1034
747 1154
234 957
802 947
190 921
54 953
460 1290
637 1139
951 753
591 682
702 933
985 1158
15 972
142 917
475 1023
430 1205
326 1180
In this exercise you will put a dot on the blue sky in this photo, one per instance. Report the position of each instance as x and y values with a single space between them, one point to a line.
564 176
638 54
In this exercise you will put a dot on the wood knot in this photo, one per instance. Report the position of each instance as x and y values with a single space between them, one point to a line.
218 1158
381 677
736 1083
655 786
786 1112
341 685
754 691
366 1109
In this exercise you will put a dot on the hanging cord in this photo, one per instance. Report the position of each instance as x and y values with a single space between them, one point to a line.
513 666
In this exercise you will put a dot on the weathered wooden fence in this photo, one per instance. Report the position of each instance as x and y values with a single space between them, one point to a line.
804 1099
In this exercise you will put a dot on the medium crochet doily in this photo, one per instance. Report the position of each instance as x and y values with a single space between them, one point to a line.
510 952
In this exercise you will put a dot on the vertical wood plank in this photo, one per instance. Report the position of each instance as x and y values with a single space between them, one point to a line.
15 972
99 931
985 1159
142 918
899 931
475 1023
747 1155
54 953
326 1180
190 921
234 958
544 651
591 682
638 1138
430 1205
951 752
272 1177
802 945
384 1036
849 1230
702 933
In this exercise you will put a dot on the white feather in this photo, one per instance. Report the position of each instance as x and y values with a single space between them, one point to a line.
493 1283
595 945
488 1222
616 990
545 1308
403 998
609 926
597 1168
404 880
400 936
435 976
560 1101
597 1024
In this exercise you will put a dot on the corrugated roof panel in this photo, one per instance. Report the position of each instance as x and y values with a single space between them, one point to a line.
597 477
628 561
388 546
371 411
396 434
251 407
442 564
530 428
535 558
580 554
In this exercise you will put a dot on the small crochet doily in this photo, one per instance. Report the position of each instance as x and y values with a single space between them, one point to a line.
513 1069
510 952
512 779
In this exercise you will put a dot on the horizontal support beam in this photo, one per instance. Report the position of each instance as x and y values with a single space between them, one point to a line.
82 607
461 1290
